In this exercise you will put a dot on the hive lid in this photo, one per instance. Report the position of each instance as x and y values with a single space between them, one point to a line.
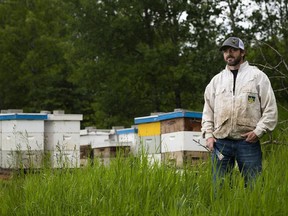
126 131
23 116
65 117
180 114
169 115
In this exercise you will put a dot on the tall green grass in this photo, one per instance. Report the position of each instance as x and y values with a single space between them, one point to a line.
132 186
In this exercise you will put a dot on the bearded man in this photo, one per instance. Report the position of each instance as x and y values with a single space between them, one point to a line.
240 107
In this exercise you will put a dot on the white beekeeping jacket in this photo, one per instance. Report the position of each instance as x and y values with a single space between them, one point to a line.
252 107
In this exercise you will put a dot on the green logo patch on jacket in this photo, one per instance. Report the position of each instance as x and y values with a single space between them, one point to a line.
251 99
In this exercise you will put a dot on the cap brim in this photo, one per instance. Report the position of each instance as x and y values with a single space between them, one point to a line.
222 47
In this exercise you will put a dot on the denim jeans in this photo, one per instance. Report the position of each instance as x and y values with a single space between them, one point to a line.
247 155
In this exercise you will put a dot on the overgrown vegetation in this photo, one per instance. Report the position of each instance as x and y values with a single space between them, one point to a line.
132 186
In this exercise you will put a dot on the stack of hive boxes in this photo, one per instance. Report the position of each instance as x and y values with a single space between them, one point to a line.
104 144
149 132
62 139
175 135
128 137
22 139
86 142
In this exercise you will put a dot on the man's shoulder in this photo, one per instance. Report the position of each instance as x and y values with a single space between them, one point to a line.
252 67
255 72
222 73
218 78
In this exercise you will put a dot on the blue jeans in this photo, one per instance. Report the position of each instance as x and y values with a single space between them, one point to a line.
247 155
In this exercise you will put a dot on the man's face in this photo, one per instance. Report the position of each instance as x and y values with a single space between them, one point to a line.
232 56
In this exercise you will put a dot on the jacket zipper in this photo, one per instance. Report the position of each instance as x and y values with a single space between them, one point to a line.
233 101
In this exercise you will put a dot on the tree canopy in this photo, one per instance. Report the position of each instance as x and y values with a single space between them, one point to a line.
116 60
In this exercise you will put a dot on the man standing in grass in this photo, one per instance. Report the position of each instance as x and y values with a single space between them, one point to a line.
240 107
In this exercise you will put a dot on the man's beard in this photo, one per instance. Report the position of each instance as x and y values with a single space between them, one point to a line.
235 62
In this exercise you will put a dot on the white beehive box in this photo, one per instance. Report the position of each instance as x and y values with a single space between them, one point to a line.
150 144
182 141
62 138
113 136
84 138
67 159
96 138
22 140
129 137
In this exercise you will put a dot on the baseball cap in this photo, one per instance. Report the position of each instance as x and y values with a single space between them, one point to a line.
233 42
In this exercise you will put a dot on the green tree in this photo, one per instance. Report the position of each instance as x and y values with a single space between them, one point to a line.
270 51
33 66
137 57
263 27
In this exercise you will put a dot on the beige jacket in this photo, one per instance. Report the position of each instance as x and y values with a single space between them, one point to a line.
252 108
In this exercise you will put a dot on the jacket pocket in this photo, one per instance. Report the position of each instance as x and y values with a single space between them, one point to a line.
221 99
248 106
245 125
223 104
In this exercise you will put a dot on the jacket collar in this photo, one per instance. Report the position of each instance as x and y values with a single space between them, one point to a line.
244 65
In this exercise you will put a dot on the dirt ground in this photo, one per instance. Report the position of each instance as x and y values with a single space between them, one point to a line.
6 175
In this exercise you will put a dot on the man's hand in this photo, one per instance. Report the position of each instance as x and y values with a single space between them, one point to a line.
250 137
210 143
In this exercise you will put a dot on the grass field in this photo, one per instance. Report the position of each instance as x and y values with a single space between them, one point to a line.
132 186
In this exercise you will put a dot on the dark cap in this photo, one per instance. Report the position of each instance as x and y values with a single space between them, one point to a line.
233 42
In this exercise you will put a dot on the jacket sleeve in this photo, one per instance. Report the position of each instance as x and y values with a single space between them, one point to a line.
208 112
269 118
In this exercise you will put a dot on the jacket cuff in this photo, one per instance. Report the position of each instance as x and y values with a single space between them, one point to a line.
208 135
259 132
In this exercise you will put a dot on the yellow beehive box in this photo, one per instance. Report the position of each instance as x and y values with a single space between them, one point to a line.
151 125
149 129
